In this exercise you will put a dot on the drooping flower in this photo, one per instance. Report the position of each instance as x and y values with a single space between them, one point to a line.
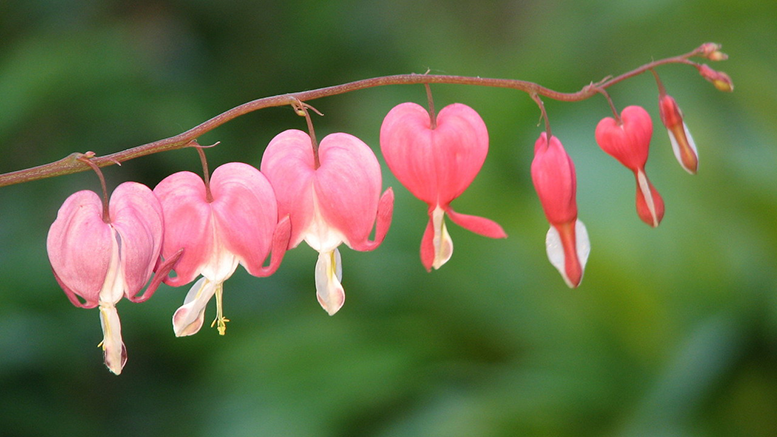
629 143
97 259
682 142
553 174
234 220
331 200
436 164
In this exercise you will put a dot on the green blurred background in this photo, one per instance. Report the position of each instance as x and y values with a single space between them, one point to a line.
672 333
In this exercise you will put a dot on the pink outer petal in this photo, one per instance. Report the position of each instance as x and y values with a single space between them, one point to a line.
427 246
478 225
347 186
288 163
573 270
650 204
187 217
246 213
161 272
79 248
553 175
383 222
629 143
436 165
137 216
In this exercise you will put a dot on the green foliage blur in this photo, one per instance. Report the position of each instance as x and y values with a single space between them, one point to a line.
673 331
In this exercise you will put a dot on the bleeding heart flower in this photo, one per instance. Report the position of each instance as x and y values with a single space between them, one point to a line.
331 200
682 142
101 258
232 220
553 174
436 164
629 143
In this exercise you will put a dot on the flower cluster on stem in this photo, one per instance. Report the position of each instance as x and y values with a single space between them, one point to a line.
193 229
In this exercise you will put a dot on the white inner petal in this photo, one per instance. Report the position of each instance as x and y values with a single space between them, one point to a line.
113 286
647 194
583 243
676 147
188 319
222 263
114 351
442 241
329 273
555 249
319 234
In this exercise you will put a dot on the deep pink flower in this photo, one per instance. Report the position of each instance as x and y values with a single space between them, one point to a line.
682 142
336 202
238 225
100 262
437 165
553 174
629 143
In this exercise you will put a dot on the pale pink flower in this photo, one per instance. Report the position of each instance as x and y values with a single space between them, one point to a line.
237 224
99 259
331 200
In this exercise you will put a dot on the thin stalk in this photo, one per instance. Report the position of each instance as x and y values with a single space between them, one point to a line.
72 164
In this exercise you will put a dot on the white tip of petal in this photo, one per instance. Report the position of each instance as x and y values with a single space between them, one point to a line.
188 319
691 162
555 249
442 241
329 273
583 243
114 352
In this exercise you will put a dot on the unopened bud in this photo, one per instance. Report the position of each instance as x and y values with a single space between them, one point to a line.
718 78
712 52
682 142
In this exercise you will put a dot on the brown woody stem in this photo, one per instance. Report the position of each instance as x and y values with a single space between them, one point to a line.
71 163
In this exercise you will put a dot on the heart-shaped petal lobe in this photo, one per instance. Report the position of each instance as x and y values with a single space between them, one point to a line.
436 165
336 202
629 141
79 245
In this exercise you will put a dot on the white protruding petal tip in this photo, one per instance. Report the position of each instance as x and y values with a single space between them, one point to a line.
442 241
114 352
555 250
583 243
678 152
329 273
188 319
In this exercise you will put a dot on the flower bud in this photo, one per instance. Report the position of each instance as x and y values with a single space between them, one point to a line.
553 175
682 142
720 79
712 52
